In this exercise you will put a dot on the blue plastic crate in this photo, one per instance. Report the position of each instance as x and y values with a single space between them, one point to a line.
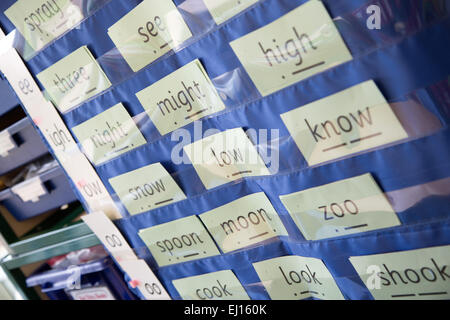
29 146
97 279
8 99
57 193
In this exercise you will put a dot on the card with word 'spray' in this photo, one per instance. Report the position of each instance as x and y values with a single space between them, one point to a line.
178 241
350 121
180 98
298 45
244 222
147 32
344 207
109 134
74 79
294 277
224 157
220 285
414 274
222 10
42 21
146 188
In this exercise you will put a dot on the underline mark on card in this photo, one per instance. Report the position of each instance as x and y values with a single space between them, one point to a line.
191 255
403 295
357 226
308 68
258 235
197 113
365 138
118 150
432 293
61 24
309 291
164 201
74 99
335 147
91 90
166 44
241 172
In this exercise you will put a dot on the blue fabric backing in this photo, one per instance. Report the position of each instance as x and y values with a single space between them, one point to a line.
404 66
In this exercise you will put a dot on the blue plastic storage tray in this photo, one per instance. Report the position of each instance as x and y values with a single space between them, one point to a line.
8 99
29 146
58 193
99 274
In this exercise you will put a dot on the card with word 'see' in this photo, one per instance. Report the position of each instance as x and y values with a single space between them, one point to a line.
146 188
298 45
294 278
222 10
180 98
224 157
350 121
243 222
108 134
74 79
340 208
414 274
147 32
179 241
42 21
220 285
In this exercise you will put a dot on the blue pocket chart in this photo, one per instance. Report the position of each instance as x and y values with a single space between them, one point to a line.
406 59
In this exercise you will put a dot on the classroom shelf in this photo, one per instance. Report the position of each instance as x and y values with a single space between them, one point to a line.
50 245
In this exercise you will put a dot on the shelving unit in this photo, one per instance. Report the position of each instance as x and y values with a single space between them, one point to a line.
46 235
50 244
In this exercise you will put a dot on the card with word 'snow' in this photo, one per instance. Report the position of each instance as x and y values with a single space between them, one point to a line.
146 188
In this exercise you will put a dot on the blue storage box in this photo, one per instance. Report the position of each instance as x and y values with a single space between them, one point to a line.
98 280
8 99
47 191
27 146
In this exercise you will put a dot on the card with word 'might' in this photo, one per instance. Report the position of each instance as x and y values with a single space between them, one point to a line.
180 98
